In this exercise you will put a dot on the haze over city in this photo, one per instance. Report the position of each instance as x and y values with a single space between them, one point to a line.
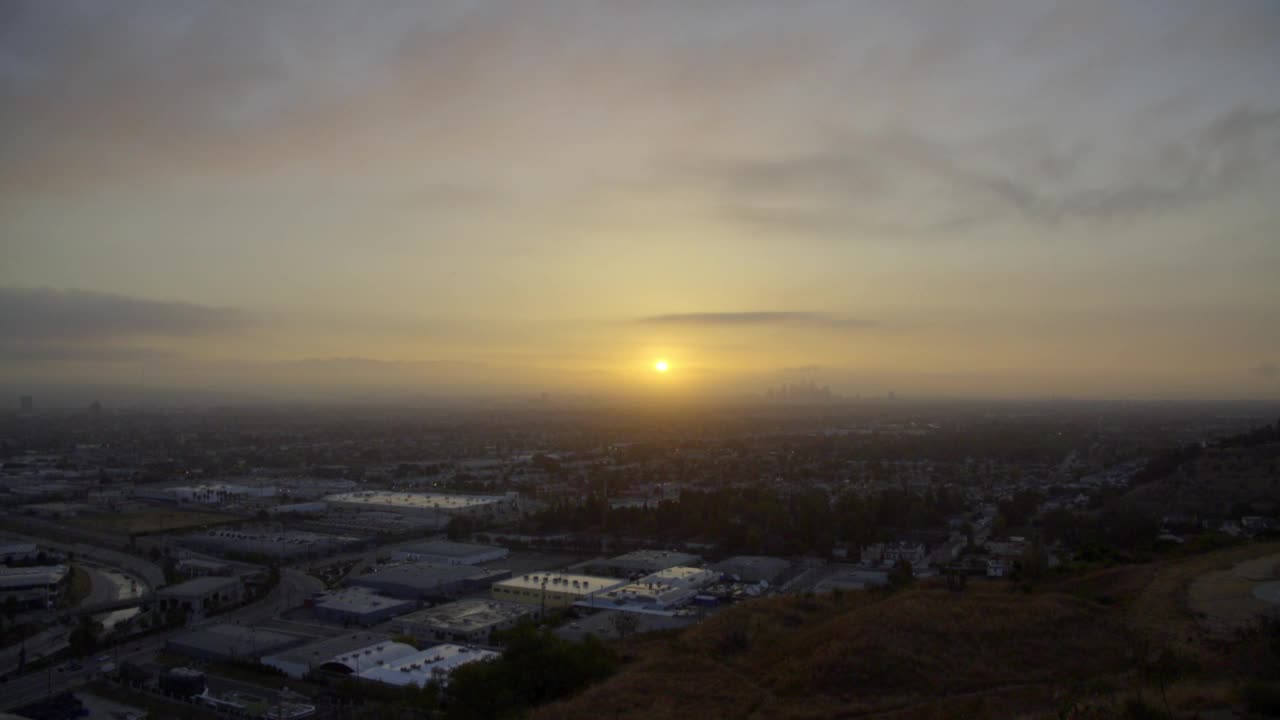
370 200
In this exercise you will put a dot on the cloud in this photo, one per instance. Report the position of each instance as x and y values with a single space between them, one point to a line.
767 318
44 315
874 182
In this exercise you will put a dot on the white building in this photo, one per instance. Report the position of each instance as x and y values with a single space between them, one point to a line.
298 661
425 503
471 621
662 590
552 590
38 586
432 664
17 551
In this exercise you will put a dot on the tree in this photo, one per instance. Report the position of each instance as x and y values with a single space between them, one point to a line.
83 640
1034 561
901 575
624 624
460 527
537 667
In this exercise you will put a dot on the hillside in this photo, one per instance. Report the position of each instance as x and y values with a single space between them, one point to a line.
988 651
1235 476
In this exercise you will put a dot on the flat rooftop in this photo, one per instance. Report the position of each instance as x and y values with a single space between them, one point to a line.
562 581
445 548
234 640
467 614
26 576
422 501
284 537
314 654
422 573
372 656
681 574
753 568
358 600
431 664
666 558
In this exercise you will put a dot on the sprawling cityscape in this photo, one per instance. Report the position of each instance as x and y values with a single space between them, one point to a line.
347 563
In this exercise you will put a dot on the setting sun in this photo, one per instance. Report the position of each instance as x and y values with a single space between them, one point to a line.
661 366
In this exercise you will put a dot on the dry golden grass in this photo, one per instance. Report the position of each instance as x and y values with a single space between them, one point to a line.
919 654
929 653
1161 611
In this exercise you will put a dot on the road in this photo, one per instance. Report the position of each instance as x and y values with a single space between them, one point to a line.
106 584
37 646
134 565
294 587
51 681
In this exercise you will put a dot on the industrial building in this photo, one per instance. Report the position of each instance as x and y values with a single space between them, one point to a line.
201 595
16 551
425 503
553 590
231 642
642 562
753 568
431 665
381 522
33 587
266 542
427 581
471 621
297 661
197 567
360 606
444 552
662 590
314 507
206 493
357 660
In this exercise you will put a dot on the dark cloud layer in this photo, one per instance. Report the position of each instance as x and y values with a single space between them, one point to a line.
43 353
42 314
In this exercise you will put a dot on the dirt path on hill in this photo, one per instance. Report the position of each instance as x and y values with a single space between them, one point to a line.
1164 611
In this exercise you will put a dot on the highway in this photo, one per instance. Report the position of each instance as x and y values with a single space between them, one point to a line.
106 585
294 587
51 681
134 565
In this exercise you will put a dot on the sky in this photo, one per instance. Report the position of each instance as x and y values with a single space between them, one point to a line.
320 198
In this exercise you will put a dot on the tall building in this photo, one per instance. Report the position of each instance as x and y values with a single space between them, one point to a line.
26 403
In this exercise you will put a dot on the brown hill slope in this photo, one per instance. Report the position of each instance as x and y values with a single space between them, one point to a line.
926 652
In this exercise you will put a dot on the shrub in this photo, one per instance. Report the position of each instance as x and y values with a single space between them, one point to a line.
1262 697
